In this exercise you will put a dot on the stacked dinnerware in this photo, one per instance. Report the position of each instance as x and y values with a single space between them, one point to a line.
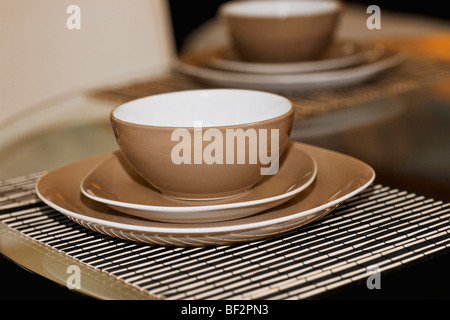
286 45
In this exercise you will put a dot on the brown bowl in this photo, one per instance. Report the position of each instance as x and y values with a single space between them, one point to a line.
280 30
204 144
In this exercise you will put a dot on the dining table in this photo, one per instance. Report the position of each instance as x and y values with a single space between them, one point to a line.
396 231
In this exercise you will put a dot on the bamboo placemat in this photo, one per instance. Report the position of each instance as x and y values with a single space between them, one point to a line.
415 73
382 227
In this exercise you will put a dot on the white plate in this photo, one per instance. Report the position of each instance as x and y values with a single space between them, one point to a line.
339 178
115 184
342 54
196 66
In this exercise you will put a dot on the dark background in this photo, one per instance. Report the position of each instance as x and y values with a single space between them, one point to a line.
187 17
413 283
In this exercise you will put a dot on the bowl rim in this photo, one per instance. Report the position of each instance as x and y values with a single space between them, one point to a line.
225 10
287 114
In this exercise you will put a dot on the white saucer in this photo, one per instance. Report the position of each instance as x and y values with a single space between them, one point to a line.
116 184
379 61
339 178
342 54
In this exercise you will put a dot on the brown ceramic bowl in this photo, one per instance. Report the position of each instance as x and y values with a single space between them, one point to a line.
279 30
204 144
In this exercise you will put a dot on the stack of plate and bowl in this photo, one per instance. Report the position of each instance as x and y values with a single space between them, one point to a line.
204 168
286 45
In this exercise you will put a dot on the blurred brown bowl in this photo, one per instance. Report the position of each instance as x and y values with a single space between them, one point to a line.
281 31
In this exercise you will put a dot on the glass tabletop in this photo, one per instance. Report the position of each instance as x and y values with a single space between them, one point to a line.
55 134
406 139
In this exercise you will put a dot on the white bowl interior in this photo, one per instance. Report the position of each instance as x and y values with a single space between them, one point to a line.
210 108
279 8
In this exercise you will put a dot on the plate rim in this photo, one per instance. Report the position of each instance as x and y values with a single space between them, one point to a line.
210 230
391 59
204 208
301 67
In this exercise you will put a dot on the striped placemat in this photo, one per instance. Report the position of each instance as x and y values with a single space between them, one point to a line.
415 73
382 229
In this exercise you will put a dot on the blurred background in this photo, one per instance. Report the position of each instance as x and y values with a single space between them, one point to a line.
399 19
42 59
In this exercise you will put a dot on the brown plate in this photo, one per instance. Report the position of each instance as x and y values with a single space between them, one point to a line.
196 65
117 185
339 178
342 54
